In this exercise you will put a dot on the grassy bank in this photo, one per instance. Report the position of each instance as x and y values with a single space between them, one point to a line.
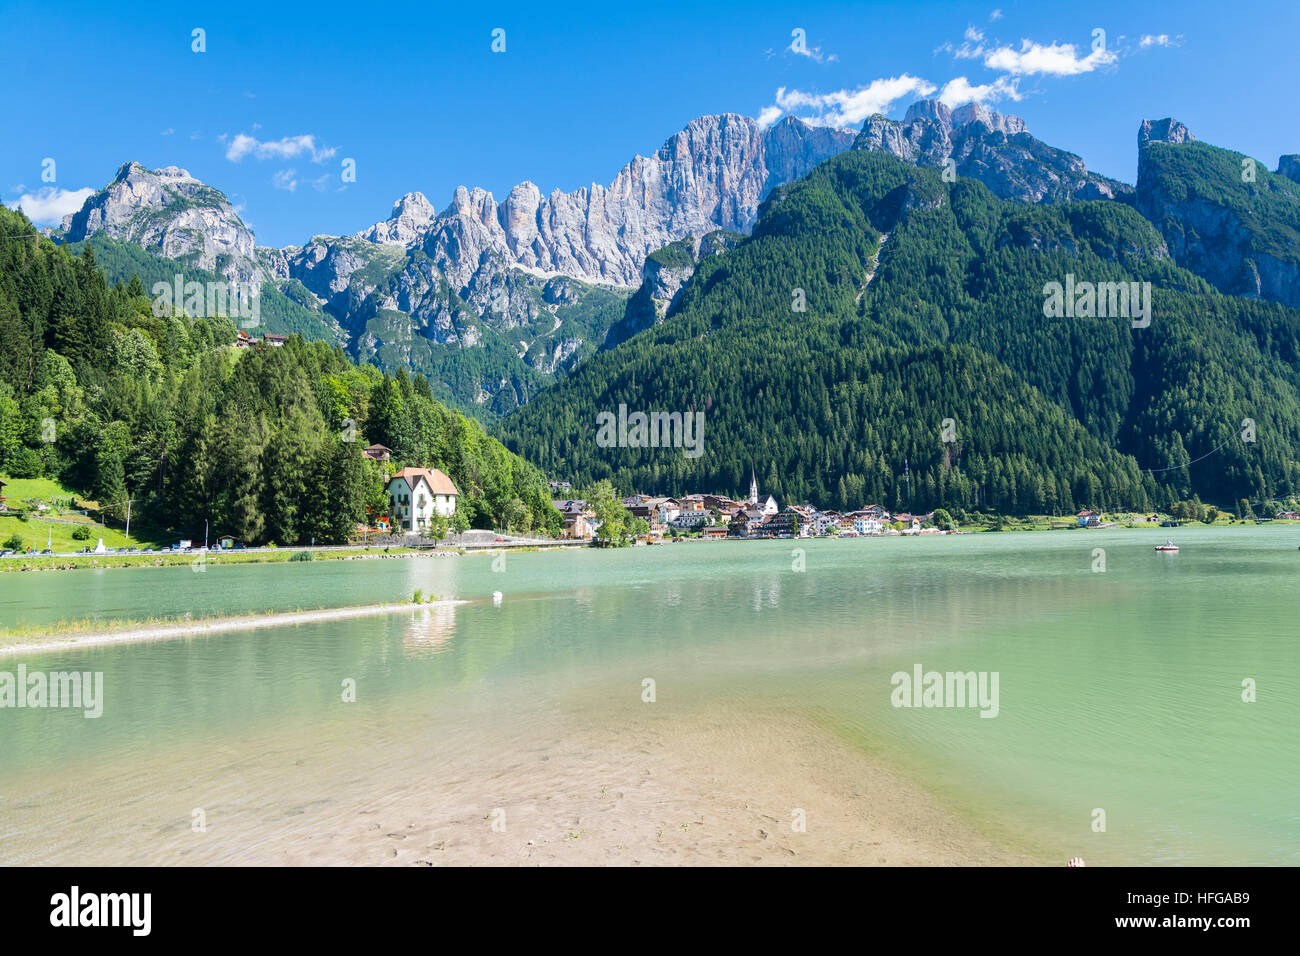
1108 522
196 559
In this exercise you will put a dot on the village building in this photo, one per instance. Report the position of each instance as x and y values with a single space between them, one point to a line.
722 503
747 523
579 518
823 521
689 520
415 495
783 524
275 341
377 452
1088 519
766 504
667 510
805 515
865 522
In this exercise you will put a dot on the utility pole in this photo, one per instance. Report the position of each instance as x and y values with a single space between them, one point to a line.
205 534
128 521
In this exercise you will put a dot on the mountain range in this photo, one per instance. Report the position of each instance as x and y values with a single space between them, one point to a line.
491 300
884 334
921 244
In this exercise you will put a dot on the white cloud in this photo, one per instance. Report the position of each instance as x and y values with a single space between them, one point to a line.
972 47
285 179
167 132
1056 59
960 91
813 53
48 205
287 148
843 108
1159 39
768 115
995 15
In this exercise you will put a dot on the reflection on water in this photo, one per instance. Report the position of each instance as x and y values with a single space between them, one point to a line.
429 630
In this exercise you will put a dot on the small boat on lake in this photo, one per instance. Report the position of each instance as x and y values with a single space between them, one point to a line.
1167 546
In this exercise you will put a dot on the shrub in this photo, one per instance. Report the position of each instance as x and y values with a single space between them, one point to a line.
14 543
81 533
303 556
26 464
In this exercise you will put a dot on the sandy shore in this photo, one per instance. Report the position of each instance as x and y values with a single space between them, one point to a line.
711 787
725 792
203 628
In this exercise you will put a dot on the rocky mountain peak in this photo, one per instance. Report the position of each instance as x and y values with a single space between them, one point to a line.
410 217
710 175
928 111
1167 130
1289 166
989 146
990 119
170 213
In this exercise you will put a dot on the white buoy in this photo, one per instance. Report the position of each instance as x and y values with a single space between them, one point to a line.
496 598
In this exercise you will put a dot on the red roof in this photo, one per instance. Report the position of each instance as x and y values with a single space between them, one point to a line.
438 482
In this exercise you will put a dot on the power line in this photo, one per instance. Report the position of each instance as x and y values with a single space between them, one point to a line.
1153 471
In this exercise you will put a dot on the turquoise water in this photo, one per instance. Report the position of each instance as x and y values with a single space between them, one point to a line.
1119 691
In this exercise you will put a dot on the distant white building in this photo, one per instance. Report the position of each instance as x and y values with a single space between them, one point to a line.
824 520
866 522
687 520
415 495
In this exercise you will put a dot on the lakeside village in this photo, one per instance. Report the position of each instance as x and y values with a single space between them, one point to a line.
710 516
421 497
422 509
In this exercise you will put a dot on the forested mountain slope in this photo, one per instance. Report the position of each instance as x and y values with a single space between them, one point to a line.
944 319
262 443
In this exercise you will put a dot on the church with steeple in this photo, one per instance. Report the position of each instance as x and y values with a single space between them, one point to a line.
767 504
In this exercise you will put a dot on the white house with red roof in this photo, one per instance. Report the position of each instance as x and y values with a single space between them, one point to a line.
415 495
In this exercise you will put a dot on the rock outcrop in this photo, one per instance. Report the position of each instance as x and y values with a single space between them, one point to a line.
172 215
664 274
1289 166
1238 230
985 145
711 175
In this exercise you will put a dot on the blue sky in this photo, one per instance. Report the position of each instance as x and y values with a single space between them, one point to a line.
416 96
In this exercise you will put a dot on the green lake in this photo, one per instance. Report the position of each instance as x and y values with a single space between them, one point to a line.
1119 690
